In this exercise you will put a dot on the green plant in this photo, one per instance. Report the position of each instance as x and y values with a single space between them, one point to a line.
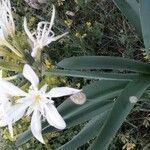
111 99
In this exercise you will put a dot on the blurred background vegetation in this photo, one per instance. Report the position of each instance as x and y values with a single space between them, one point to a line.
96 27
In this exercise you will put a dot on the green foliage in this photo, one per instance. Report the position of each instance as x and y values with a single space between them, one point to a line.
92 32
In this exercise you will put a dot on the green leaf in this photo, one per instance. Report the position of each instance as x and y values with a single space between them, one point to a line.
120 110
102 89
104 62
87 133
130 9
145 23
92 75
96 92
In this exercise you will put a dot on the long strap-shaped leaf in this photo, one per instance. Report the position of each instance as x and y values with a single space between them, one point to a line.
145 22
97 91
104 62
92 75
101 89
130 9
120 110
86 134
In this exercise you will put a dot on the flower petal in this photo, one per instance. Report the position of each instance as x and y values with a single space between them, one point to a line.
16 112
29 34
43 88
36 126
53 117
30 75
11 89
1 74
52 39
10 128
52 18
12 115
62 91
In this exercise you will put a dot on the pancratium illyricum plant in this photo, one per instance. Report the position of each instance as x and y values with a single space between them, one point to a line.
7 26
43 35
37 102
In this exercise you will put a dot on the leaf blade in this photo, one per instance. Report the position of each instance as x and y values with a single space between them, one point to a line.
104 62
119 112
130 9
145 23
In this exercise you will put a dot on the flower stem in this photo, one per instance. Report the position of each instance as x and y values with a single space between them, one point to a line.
13 49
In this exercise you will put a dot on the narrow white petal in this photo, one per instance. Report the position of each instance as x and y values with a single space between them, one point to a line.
62 91
52 18
53 117
43 88
16 112
52 39
30 36
10 128
11 89
36 126
1 73
59 36
30 75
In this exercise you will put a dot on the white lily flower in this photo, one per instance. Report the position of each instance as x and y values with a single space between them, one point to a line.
43 35
37 102
5 105
7 26
6 20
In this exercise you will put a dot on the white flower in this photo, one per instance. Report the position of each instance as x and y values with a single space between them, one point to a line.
43 34
37 102
7 26
6 20
5 105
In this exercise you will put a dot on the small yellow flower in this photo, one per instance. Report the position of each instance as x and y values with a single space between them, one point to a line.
78 35
88 24
60 2
129 146
84 35
69 22
49 64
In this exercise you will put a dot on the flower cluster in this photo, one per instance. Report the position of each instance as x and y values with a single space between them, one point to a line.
38 39
37 102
